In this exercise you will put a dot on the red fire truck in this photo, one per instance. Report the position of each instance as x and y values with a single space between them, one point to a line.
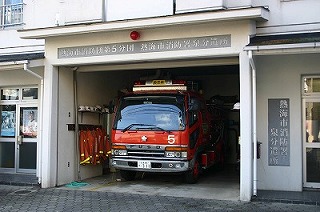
162 127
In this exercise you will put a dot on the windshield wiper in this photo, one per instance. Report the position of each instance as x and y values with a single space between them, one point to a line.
132 125
157 128
150 127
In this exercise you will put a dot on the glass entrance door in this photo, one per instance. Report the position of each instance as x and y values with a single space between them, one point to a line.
18 129
311 143
27 139
8 119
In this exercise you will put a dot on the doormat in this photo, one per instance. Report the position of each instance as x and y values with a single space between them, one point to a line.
76 184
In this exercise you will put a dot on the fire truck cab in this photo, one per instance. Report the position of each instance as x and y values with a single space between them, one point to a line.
161 126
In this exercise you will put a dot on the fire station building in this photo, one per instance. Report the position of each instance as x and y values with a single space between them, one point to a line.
260 51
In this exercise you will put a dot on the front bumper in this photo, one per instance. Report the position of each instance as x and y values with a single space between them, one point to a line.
153 165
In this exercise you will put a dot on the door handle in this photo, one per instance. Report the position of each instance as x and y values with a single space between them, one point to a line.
19 139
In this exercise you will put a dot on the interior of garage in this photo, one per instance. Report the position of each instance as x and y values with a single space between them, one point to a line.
98 87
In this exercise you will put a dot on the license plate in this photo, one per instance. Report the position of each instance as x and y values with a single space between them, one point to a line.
158 82
144 164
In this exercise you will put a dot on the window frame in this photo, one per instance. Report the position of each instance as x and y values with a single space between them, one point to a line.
305 86
11 14
20 96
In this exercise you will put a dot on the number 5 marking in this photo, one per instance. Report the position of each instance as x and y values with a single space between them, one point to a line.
171 139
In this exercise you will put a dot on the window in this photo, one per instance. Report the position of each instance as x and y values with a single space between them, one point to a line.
194 114
151 113
11 12
8 120
17 94
9 94
29 93
311 85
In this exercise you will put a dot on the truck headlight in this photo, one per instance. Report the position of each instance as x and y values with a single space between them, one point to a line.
119 150
176 152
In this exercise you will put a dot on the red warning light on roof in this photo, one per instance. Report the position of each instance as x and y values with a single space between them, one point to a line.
134 35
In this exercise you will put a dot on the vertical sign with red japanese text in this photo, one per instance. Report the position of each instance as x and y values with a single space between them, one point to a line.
278 132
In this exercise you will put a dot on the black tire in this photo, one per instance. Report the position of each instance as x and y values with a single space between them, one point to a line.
192 176
128 175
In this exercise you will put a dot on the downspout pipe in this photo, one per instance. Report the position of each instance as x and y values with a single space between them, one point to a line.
75 91
254 121
104 10
25 68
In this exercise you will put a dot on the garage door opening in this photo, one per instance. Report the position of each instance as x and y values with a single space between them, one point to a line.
220 87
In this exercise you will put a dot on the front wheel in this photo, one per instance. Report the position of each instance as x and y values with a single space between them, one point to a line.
128 175
192 176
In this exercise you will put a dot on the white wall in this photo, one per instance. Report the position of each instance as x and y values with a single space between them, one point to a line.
12 44
280 77
285 16
79 11
240 30
67 163
289 16
39 13
126 9
239 3
183 6
16 78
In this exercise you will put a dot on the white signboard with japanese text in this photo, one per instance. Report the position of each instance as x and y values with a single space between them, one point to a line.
208 42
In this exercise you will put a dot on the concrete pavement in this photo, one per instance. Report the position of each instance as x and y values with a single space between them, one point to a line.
22 198
211 185
215 191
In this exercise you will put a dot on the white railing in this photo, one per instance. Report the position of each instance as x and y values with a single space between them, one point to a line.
11 15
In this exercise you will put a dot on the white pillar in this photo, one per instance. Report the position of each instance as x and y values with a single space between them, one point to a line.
49 135
246 154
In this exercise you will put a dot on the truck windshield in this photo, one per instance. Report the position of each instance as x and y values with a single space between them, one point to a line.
156 113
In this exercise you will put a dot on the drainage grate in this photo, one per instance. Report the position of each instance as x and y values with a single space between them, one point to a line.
23 192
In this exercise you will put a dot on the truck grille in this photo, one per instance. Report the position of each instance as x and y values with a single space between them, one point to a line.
146 151
145 154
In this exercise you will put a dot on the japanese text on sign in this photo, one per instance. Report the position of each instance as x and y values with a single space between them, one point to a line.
278 132
218 41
